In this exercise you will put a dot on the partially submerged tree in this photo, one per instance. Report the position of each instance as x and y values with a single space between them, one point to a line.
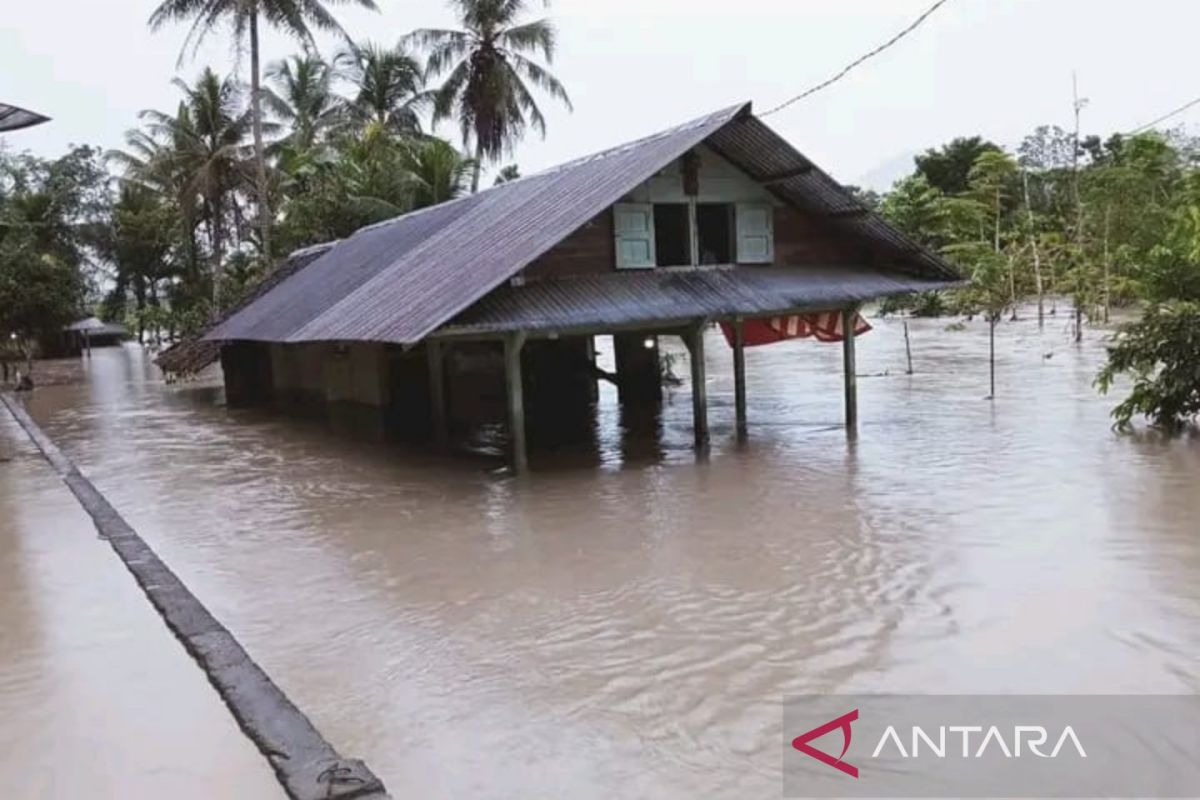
1160 352
49 211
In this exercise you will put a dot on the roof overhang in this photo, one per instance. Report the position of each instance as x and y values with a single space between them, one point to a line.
13 118
664 298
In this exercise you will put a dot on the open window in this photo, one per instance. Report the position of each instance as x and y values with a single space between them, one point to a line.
714 233
672 235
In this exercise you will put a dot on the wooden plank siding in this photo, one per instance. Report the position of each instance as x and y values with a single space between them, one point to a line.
587 251
800 239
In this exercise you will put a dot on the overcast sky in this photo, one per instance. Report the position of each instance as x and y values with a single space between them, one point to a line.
993 67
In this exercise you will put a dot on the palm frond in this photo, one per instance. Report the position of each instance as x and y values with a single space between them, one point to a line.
539 35
541 78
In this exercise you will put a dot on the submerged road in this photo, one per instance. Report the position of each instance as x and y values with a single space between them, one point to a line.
626 620
307 766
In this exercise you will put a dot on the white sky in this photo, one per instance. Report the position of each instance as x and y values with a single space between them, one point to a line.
993 67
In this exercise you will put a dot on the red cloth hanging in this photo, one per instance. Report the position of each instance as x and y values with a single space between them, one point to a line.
824 326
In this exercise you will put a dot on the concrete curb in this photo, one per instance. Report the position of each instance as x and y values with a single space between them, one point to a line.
306 765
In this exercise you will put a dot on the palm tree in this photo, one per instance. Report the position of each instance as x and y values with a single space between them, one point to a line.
440 170
388 86
199 153
302 99
293 16
486 72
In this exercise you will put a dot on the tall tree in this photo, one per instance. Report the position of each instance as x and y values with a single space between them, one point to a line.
948 167
48 213
296 17
302 99
388 85
203 146
487 67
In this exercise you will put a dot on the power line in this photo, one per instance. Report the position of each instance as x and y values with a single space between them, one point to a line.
915 24
1165 117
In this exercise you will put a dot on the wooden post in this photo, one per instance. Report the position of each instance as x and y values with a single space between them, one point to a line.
739 376
907 349
694 338
849 367
437 392
513 343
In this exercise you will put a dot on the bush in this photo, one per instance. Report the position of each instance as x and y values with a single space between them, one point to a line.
1161 352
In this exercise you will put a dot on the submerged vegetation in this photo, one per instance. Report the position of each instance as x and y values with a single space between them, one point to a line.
1108 224
175 226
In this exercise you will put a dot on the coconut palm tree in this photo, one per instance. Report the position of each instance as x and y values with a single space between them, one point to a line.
441 171
388 87
489 74
302 99
296 17
200 153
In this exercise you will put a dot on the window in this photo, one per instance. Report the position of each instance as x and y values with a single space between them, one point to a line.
714 233
662 234
755 234
633 224
672 235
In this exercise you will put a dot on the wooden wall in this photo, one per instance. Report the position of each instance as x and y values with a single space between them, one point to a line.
800 238
804 239
587 251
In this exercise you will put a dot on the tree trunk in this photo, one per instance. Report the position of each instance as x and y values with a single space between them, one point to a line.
996 240
264 202
1107 284
1037 258
992 353
139 294
157 325
478 168
214 225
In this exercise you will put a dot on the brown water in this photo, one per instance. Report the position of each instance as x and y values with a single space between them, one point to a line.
625 621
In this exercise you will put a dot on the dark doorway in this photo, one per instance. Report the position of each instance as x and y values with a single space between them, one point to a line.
672 235
714 229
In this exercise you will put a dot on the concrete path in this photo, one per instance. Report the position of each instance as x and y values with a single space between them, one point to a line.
109 678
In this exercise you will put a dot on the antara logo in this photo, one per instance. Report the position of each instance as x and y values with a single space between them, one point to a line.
1025 739
801 743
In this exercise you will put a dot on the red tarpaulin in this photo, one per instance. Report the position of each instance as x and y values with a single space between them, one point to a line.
824 326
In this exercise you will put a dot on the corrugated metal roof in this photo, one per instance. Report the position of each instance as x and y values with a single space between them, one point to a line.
766 156
13 118
400 280
661 296
195 353
96 326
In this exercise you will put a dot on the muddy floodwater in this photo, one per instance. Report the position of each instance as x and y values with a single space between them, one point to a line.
625 621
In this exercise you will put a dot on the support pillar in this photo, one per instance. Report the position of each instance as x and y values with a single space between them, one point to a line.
694 339
513 343
849 368
437 392
739 376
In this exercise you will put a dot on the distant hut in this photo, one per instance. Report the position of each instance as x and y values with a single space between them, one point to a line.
718 220
80 337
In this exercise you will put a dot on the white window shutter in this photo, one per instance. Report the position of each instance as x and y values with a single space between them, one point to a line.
634 227
755 234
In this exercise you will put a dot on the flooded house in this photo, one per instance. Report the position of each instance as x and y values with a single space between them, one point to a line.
718 220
